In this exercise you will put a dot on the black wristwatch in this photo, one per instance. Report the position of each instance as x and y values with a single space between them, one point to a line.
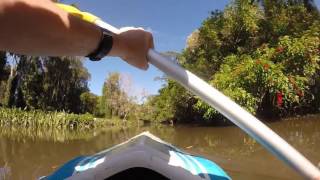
104 47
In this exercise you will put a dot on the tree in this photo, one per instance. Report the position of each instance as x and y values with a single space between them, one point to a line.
110 95
262 54
13 92
47 83
65 79
3 61
115 101
89 103
4 75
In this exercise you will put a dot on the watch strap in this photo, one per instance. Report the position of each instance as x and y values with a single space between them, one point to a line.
103 49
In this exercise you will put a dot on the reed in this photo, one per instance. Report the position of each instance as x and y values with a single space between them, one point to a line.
14 117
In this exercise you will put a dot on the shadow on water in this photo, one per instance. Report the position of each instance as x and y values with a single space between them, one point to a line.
31 153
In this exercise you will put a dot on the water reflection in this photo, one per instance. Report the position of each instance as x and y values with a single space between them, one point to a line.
50 134
5 171
31 153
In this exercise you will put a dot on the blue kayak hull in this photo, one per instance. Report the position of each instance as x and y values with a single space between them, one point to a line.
145 157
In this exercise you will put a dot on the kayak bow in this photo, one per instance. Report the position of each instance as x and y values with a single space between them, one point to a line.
142 157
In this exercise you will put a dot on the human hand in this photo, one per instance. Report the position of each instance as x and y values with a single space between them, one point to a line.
132 45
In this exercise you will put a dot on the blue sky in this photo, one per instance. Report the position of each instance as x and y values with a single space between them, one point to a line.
171 21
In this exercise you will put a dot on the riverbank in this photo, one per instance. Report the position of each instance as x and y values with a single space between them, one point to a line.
14 117
224 122
37 119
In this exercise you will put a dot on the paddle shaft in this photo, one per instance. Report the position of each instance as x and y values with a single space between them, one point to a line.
246 121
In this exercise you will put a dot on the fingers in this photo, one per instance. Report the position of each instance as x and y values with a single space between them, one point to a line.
138 64
136 43
150 41
141 60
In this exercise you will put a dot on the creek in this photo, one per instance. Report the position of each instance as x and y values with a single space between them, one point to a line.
30 153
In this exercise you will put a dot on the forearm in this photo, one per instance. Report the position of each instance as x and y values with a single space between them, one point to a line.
39 27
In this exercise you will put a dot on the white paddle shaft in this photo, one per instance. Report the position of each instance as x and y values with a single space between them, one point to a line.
236 114
246 121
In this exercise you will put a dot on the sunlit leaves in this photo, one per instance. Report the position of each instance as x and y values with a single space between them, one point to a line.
262 54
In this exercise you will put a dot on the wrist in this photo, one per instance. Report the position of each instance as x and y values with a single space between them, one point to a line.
117 48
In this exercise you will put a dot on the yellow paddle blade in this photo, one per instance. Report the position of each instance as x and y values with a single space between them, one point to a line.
76 12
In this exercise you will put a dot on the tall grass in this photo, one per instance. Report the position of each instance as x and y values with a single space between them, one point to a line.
14 117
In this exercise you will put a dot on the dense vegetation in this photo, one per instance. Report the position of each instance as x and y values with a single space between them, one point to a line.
14 117
50 92
265 55
115 101
46 83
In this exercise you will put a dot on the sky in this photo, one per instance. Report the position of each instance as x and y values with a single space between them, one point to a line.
170 21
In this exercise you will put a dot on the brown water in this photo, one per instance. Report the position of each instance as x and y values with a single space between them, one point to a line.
29 154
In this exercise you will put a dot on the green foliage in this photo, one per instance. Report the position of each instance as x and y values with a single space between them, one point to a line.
65 80
47 83
286 17
162 107
40 119
4 75
115 102
89 103
3 61
172 104
110 94
290 68
223 33
262 54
